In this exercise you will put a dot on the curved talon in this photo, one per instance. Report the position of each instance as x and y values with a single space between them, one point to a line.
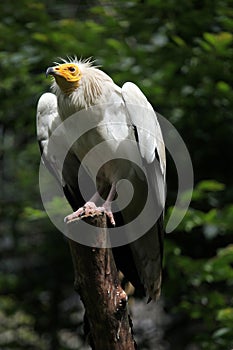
111 217
77 215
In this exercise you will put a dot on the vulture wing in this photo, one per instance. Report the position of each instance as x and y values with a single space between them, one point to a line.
48 120
66 174
148 250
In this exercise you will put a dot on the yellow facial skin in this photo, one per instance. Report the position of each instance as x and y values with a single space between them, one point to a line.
67 76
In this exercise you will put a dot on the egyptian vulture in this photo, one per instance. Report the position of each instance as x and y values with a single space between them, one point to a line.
123 118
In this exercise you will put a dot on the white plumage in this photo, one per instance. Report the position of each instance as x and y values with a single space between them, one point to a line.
121 115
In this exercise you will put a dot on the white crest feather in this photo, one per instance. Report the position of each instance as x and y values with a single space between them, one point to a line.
92 85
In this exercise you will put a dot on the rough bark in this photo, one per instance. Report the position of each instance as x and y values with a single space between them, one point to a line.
105 302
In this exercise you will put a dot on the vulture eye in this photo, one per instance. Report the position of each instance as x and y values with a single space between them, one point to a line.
71 69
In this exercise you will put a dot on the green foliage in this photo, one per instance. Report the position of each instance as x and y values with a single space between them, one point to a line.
180 54
205 297
17 329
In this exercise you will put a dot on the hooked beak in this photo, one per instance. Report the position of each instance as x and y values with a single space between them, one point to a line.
50 71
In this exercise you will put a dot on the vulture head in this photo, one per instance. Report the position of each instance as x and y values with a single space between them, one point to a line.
67 76
79 80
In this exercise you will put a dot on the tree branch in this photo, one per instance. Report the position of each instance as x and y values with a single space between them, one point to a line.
105 302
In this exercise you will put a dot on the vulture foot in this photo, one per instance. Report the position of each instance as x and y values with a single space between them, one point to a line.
90 210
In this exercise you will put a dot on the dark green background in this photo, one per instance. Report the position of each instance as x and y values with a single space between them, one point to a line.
180 54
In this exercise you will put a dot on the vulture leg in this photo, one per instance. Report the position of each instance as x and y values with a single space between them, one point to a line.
90 208
107 204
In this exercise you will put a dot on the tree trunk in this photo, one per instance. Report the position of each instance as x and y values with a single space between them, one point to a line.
105 302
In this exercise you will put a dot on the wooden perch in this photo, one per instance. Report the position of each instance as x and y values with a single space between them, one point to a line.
105 302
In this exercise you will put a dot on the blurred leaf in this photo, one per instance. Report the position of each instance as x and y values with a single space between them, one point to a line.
223 86
219 40
178 40
221 332
34 214
210 185
225 315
